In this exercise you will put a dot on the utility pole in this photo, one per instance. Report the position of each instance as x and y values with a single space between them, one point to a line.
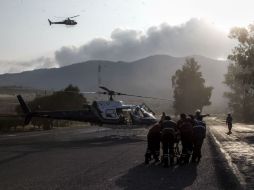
99 76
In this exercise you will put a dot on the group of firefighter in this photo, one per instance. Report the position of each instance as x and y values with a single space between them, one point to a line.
189 129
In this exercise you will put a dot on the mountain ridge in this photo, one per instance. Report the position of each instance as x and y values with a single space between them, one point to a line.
149 76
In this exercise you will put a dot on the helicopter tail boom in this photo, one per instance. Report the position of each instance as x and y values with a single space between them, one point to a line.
86 115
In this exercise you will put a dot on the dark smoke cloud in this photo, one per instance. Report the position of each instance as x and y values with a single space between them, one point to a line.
195 37
18 66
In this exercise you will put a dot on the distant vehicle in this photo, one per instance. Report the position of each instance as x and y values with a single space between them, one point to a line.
100 112
67 21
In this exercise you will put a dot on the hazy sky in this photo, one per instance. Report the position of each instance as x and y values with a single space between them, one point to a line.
112 29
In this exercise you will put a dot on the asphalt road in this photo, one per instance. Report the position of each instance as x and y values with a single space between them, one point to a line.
100 158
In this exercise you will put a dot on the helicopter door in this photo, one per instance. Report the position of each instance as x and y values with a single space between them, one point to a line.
111 114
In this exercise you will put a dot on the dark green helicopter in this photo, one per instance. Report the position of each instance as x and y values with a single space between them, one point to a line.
67 21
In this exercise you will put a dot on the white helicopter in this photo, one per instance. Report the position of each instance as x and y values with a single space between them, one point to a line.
125 113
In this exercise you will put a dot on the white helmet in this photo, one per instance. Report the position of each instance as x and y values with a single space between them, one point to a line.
198 111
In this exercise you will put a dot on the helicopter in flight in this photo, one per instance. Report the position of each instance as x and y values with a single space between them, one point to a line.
100 112
67 21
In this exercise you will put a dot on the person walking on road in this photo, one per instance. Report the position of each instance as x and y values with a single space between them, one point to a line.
229 120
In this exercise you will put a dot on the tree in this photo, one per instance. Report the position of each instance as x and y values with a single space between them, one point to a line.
190 92
240 75
71 88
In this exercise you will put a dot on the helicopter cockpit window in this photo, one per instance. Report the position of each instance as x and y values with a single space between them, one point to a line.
138 112
145 115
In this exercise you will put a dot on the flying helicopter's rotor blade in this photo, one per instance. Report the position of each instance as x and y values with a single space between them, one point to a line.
74 16
59 17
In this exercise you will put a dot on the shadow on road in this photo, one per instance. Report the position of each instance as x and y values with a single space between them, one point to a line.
69 143
22 149
156 177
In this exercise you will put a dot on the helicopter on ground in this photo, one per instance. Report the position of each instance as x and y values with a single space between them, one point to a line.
67 21
100 112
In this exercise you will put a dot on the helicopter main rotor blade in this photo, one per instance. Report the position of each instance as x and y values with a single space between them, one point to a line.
106 89
143 96
75 92
123 94
74 16
93 92
84 92
88 92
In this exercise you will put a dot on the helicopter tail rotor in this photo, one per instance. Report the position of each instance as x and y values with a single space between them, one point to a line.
49 22
25 109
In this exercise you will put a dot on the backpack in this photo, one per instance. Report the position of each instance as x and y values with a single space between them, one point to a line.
185 127
199 130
